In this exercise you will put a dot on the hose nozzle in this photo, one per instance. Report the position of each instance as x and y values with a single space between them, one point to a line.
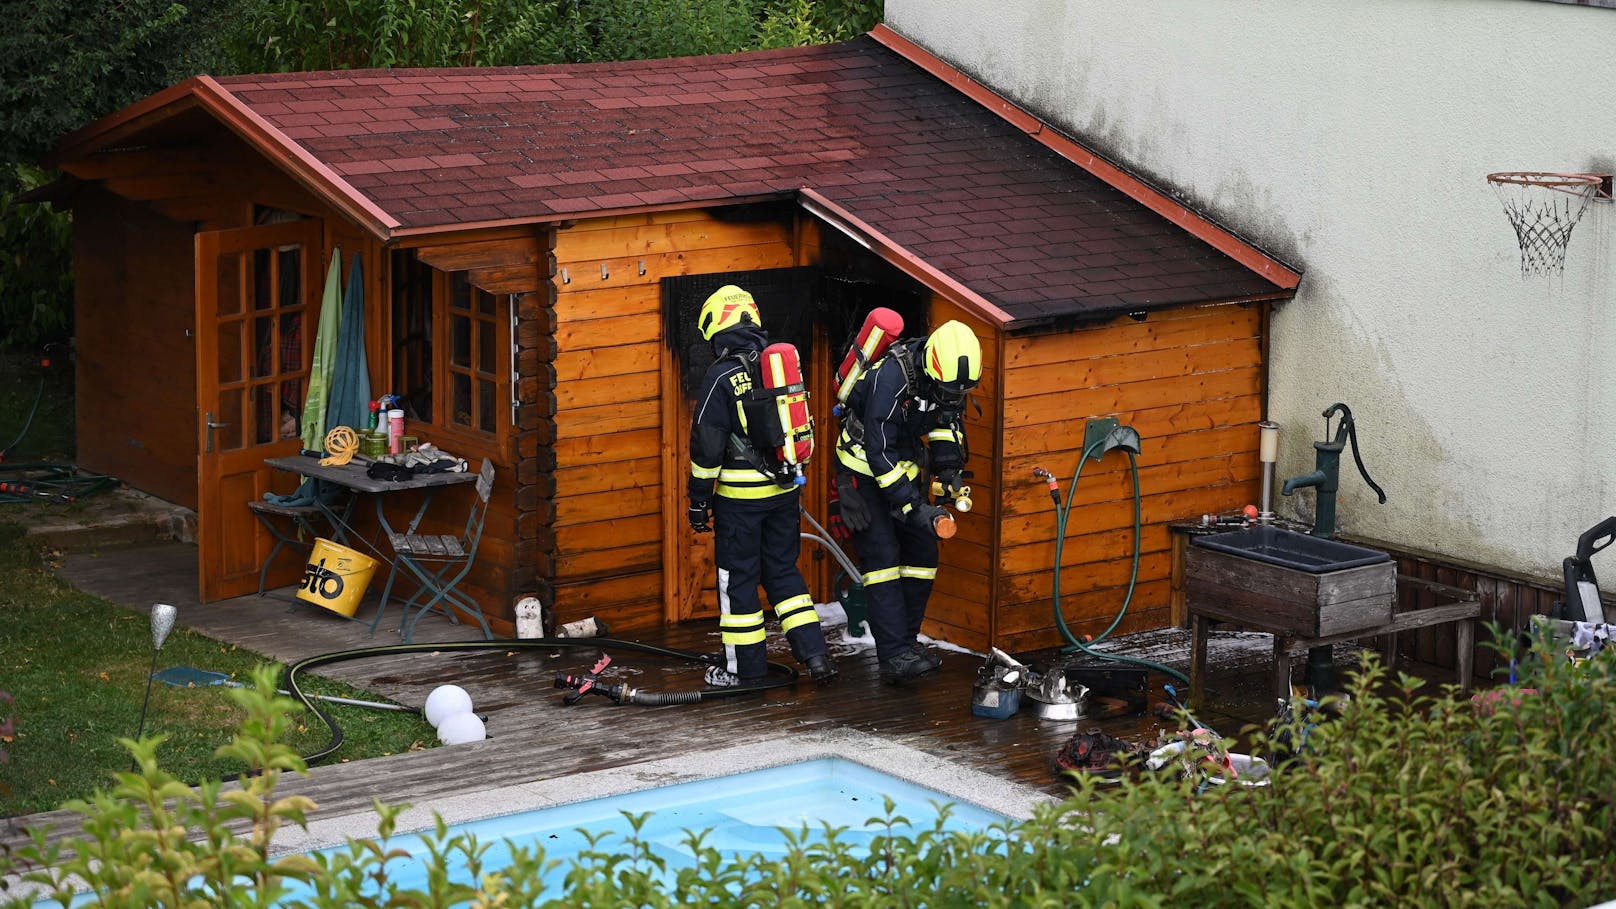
1054 487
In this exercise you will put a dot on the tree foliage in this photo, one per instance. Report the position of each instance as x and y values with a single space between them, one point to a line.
287 35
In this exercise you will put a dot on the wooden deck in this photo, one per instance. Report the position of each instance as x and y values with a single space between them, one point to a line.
533 737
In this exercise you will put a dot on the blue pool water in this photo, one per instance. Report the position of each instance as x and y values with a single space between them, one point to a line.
743 812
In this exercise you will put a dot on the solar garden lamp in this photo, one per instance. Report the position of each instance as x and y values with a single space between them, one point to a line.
162 622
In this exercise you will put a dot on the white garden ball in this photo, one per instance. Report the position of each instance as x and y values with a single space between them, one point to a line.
461 728
444 701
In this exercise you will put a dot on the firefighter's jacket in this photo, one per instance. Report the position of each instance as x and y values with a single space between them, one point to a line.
722 461
894 433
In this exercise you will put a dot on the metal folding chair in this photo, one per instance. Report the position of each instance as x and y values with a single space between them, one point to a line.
439 562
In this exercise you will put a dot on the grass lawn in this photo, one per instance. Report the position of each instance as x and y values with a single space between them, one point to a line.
76 666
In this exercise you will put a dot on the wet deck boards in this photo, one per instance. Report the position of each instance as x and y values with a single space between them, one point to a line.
533 737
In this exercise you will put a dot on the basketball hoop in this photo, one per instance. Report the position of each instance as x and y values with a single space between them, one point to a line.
1543 208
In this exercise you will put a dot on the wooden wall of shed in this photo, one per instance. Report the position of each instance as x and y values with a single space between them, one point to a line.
1190 382
135 378
961 607
610 443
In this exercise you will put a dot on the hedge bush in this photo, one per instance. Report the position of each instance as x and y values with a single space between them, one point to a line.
1404 798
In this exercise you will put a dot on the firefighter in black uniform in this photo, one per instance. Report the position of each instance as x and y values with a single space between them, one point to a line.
904 421
754 513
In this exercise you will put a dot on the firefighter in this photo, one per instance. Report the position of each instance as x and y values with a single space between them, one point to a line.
738 492
904 421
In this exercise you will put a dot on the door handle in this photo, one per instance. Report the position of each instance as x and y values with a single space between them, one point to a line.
211 425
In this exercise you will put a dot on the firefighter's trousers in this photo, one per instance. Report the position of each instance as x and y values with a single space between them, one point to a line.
757 541
899 561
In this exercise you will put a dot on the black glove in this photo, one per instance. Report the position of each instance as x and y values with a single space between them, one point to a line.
925 516
855 514
952 482
701 517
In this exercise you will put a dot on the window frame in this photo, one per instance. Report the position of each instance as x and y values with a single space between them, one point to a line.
457 438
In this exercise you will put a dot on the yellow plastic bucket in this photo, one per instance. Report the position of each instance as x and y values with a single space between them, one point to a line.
336 577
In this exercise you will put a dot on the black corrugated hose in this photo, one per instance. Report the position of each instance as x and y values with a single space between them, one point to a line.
783 675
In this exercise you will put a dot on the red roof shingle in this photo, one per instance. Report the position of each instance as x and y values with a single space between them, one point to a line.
904 152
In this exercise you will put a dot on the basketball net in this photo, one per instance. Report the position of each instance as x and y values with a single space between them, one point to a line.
1543 208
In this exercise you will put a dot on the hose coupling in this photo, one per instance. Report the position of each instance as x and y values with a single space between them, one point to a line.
1049 478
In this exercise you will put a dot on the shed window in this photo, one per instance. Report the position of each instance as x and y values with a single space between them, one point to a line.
447 352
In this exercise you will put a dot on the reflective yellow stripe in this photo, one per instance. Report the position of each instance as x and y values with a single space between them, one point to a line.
907 507
793 604
799 618
796 612
702 473
943 435
741 413
742 638
749 620
890 477
881 576
853 460
766 491
911 571
742 475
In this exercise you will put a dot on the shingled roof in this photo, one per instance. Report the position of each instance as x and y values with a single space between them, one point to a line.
863 134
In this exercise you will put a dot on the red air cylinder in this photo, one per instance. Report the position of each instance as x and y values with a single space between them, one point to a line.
782 377
881 327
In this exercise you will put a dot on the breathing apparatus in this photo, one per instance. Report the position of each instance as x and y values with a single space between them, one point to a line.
1100 437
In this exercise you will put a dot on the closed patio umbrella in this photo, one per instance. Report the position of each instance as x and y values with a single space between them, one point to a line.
349 398
323 364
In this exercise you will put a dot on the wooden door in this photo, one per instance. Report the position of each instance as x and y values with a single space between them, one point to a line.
257 305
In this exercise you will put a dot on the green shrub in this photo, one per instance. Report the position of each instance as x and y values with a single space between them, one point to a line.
36 273
1407 799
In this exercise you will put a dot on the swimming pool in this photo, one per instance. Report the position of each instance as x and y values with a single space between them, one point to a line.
744 812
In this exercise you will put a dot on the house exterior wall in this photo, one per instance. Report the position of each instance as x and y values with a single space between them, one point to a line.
1352 141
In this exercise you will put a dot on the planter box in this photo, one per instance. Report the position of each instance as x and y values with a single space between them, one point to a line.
1303 604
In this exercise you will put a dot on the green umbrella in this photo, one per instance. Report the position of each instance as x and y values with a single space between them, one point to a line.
324 364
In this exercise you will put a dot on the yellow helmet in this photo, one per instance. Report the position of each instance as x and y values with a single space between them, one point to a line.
728 307
953 357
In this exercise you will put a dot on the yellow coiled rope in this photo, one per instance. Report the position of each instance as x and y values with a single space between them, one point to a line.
341 444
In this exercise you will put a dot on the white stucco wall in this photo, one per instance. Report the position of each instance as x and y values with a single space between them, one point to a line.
1352 140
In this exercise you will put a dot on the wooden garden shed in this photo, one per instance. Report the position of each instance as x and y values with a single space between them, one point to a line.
533 241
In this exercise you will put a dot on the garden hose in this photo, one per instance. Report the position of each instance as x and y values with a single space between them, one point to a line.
786 675
1062 512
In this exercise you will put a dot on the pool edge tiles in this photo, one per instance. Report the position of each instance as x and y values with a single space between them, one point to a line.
949 781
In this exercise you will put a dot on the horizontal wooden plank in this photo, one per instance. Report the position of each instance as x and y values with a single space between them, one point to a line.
509 279
1107 575
611 534
1154 509
581 422
595 594
607 390
1151 423
1165 329
1079 404
631 241
1038 638
574 304
1086 608
595 274
603 562
618 222
1055 378
607 448
616 360
527 251
588 334
1112 486
958 612
629 474
607 506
